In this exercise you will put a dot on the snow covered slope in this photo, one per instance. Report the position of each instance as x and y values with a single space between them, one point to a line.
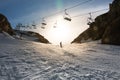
27 60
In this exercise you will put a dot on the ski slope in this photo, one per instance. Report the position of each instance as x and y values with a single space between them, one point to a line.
28 60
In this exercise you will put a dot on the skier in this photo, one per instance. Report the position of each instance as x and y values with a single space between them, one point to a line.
21 34
61 44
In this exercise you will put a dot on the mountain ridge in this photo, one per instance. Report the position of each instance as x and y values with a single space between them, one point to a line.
105 27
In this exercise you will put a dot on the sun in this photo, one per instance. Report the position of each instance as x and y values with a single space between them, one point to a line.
61 33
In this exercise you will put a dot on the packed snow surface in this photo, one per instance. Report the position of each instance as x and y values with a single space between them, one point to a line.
29 60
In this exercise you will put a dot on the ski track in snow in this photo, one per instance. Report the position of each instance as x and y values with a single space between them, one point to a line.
27 60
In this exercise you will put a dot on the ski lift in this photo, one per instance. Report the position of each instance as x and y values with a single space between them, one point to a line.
67 16
23 26
43 27
89 20
27 26
43 22
34 26
30 27
55 25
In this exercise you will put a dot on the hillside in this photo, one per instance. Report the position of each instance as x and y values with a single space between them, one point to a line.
31 36
105 28
5 25
29 60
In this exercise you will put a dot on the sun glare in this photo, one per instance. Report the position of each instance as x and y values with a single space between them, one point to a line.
61 33
64 31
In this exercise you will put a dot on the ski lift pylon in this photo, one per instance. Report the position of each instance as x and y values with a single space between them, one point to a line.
67 16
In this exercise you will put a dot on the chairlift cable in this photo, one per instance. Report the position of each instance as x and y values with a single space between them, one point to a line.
79 4
99 10
89 12
68 8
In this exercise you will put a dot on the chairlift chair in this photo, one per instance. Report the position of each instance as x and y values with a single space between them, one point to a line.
34 25
23 26
89 20
30 27
55 25
43 27
67 16
43 22
27 26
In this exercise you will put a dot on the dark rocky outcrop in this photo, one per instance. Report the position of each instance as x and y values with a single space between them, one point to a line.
40 37
112 32
32 36
5 25
106 27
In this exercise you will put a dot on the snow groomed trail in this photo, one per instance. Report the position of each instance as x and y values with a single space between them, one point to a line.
28 60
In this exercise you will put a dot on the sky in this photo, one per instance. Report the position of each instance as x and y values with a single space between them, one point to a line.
29 11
